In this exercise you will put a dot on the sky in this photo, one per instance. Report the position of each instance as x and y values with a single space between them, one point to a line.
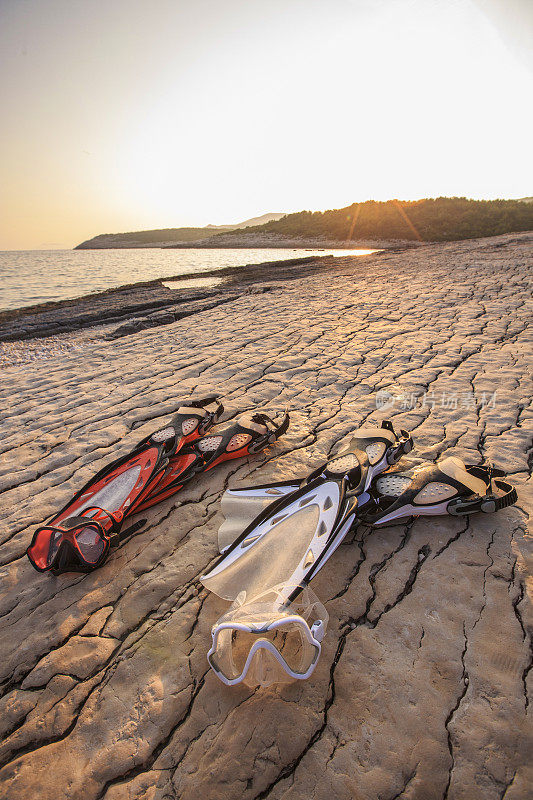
122 115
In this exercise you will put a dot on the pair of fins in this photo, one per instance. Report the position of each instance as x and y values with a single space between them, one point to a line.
283 533
80 537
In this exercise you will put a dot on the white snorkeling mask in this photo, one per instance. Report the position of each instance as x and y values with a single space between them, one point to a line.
268 639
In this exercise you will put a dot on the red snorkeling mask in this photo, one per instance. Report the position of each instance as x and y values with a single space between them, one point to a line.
78 543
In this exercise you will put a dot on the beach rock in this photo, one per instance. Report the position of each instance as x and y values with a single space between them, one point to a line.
79 657
131 327
171 315
102 308
423 689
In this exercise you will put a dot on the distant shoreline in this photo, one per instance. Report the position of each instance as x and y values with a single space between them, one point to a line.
254 242
264 242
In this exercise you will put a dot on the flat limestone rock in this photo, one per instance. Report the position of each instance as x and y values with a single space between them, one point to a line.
96 622
423 689
79 657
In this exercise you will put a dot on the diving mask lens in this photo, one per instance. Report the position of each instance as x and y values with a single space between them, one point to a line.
289 639
90 544
269 638
45 547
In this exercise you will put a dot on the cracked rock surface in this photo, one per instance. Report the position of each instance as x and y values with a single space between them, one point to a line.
423 689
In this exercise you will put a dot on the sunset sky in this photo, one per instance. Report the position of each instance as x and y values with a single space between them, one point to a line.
122 115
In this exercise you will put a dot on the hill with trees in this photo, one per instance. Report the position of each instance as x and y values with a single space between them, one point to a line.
166 236
431 220
440 219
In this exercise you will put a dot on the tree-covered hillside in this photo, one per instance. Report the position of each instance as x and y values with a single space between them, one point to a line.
440 219
145 238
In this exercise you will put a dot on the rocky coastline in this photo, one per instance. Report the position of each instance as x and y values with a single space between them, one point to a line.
424 686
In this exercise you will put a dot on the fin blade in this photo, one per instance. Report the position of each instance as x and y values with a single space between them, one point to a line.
241 507
275 548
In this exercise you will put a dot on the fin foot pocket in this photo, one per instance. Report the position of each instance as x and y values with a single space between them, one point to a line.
445 487
250 434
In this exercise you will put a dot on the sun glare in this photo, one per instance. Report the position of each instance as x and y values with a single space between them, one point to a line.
281 109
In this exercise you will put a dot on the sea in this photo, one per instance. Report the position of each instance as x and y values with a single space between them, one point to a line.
28 277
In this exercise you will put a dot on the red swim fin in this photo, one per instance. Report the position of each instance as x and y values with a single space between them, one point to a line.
79 537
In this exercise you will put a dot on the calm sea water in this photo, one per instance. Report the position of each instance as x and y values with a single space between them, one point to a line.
37 276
